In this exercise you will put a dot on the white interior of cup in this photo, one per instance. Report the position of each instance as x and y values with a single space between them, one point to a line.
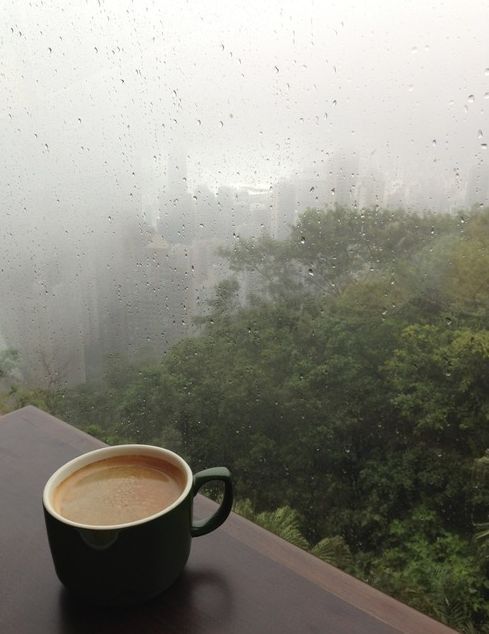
110 452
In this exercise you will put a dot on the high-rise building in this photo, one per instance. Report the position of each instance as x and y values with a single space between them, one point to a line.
207 269
155 296
234 209
209 218
283 209
395 196
43 321
344 167
176 221
477 191
371 190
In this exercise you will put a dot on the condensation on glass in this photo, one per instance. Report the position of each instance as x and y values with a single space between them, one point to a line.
261 231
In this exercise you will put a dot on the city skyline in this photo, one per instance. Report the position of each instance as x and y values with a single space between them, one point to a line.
140 293
309 105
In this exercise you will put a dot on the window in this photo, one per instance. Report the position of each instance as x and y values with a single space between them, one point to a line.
258 234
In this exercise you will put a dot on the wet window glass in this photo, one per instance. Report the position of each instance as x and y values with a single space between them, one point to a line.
258 234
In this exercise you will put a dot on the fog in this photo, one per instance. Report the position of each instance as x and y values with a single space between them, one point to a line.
104 104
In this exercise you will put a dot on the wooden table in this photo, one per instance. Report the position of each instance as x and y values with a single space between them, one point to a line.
239 578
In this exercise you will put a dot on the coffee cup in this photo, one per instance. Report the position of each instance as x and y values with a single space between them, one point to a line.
120 521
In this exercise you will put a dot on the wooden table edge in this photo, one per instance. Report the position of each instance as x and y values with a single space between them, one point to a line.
356 593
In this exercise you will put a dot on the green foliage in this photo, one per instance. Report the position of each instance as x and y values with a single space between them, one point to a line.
226 299
335 551
8 364
9 360
440 378
328 250
284 522
276 274
468 285
348 395
244 507
341 244
20 396
433 570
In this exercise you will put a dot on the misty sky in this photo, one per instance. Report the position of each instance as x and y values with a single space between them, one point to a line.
95 95
92 92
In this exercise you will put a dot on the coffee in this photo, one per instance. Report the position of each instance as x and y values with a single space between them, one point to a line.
119 490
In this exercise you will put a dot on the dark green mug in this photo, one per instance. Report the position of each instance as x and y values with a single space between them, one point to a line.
132 562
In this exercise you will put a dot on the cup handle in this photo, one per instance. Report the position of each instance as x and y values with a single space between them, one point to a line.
202 527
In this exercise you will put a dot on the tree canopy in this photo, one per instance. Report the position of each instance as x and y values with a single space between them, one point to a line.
348 392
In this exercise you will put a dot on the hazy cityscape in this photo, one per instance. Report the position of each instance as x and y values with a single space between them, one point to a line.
137 139
257 233
135 291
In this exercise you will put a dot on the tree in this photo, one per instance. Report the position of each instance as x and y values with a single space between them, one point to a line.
9 360
353 381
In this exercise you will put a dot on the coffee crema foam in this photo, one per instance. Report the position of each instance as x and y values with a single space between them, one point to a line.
119 490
